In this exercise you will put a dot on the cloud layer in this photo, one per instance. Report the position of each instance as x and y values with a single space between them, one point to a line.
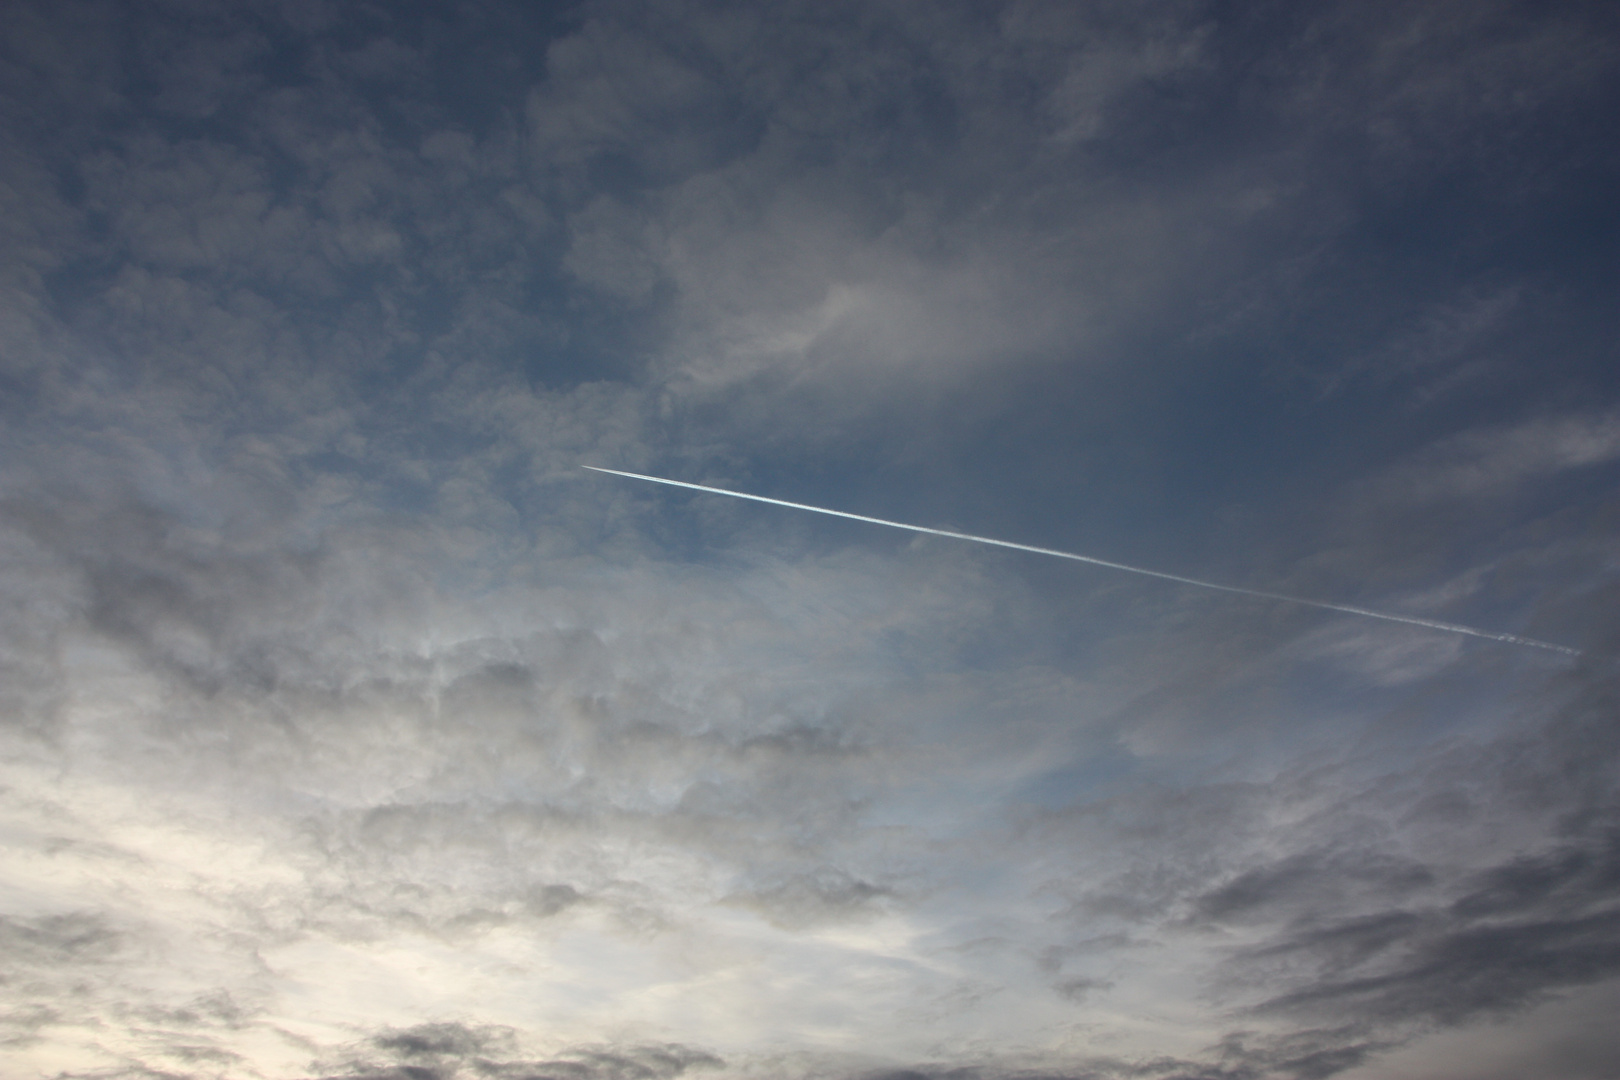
349 729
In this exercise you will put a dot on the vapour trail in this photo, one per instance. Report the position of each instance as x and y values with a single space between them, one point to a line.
1453 628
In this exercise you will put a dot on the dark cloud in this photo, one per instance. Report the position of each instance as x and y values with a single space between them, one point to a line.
81 937
446 1051
1301 880
1518 932
1391 946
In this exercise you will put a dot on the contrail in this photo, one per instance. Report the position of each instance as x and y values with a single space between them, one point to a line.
1453 628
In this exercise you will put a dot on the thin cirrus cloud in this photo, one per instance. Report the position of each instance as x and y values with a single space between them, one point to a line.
1483 463
349 730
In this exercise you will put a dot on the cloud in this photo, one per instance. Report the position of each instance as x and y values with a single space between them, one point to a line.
1501 460
779 256
350 729
1406 81
57 939
1394 943
449 1050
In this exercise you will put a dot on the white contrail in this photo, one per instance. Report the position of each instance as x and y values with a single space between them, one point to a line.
1512 639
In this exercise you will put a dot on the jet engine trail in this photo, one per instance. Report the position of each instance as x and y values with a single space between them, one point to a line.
1453 628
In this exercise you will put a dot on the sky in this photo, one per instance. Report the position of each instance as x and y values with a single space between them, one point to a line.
349 728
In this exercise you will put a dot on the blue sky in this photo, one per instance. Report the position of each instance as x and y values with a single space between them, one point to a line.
350 729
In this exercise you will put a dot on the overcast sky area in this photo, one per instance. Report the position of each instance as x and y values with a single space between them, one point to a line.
350 729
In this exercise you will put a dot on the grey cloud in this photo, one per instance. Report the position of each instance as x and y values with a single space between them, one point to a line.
805 899
194 204
167 602
1496 939
129 1072
1386 932
1100 54
199 73
328 230
1574 875
381 58
87 958
1457 975
1305 1055
858 282
615 91
1408 81
264 649
51 940
823 267
613 249
1077 989
447 1051
21 1025
1174 839
861 273
438 1040
217 1009
1300 880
